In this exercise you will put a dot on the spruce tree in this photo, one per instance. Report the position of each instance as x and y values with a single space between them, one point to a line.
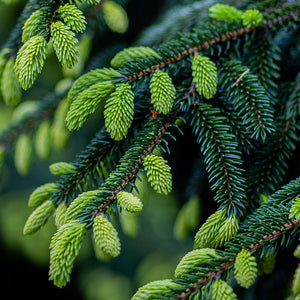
224 75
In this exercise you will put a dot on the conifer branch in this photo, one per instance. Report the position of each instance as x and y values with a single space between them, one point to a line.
237 81
264 59
226 264
224 35
252 104
221 155
272 158
229 191
86 166
144 145
266 225
293 104
240 132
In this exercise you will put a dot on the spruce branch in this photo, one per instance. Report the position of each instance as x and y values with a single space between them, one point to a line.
251 103
88 165
263 60
266 225
88 211
224 35
145 142
36 22
236 123
221 155
268 167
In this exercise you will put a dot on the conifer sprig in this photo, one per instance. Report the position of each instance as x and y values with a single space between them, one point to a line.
72 16
162 92
249 100
10 87
118 112
221 155
88 167
89 79
214 35
64 248
204 76
251 236
30 60
132 161
86 103
65 44
106 236
271 159
263 58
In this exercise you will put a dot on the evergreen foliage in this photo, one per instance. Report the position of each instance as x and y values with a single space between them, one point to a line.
88 80
154 289
64 248
193 259
86 103
41 194
73 17
245 269
252 17
158 173
30 61
65 44
224 12
295 210
31 26
129 202
118 112
38 217
60 214
225 76
130 55
221 290
10 88
162 92
61 168
217 230
297 252
106 236
204 76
